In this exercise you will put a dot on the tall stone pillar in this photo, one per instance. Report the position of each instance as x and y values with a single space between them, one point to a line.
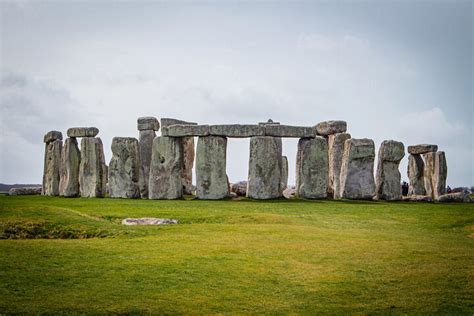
124 168
92 169
357 170
440 175
166 169
335 153
312 168
146 127
420 170
211 176
284 173
415 175
70 162
388 176
265 166
52 162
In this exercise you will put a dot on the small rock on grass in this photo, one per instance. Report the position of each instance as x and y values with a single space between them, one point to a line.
149 221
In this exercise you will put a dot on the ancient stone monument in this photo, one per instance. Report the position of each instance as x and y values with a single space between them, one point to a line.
124 168
70 162
312 168
284 172
92 169
388 176
147 126
52 162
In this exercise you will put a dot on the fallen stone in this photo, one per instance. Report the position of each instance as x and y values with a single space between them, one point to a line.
422 149
239 188
52 166
388 176
357 169
51 136
92 169
330 127
124 168
417 198
82 132
278 130
185 130
165 122
284 172
312 168
335 153
149 221
415 175
237 130
145 144
148 123
463 197
25 191
69 171
289 193
265 162
166 169
211 176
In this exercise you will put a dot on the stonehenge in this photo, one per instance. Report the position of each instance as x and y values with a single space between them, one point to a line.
329 163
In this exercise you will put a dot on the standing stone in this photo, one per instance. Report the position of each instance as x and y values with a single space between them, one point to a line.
70 161
335 153
145 143
312 168
52 163
428 172
211 176
388 176
357 170
265 162
415 175
166 168
92 169
440 175
124 168
284 173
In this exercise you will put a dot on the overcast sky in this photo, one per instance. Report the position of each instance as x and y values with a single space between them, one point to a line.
393 70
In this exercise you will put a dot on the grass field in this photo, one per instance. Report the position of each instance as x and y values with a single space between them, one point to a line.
284 256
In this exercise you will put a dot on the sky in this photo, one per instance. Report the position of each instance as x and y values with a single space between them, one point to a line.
400 70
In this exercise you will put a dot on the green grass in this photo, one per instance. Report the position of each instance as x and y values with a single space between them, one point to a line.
277 257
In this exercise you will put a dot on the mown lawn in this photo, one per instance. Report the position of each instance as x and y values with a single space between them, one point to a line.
285 256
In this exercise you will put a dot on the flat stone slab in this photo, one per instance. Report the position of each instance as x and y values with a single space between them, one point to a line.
278 130
422 149
417 198
171 121
82 132
149 221
51 136
180 130
462 197
148 123
237 130
330 127
25 191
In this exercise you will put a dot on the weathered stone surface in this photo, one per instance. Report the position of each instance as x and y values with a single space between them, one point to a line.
422 149
171 121
239 188
124 168
357 169
415 175
284 172
388 176
278 130
265 168
330 127
237 130
92 169
188 162
52 166
149 221
185 130
25 191
148 123
145 144
51 136
455 197
417 198
289 193
211 176
82 132
166 168
440 175
69 172
335 153
270 121
312 168
428 172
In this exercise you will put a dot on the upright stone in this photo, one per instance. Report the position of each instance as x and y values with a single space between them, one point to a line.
388 176
92 169
146 126
284 172
52 163
428 172
211 176
166 168
124 168
440 175
265 166
415 175
335 153
312 168
357 170
70 161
